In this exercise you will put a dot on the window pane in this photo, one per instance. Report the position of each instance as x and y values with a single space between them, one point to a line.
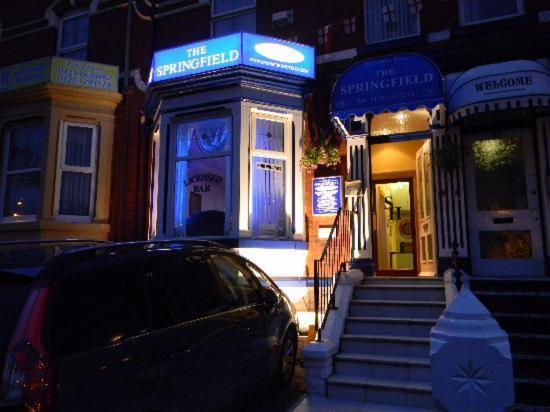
475 10
505 244
203 137
200 202
268 197
241 23
78 149
227 6
74 198
427 179
96 316
386 21
270 135
233 277
26 147
262 278
22 196
499 166
74 31
78 54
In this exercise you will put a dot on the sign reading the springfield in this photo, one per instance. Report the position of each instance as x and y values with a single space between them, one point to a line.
233 50
59 70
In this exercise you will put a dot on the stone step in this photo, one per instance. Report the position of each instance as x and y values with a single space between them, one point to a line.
517 302
412 280
376 390
538 284
531 366
533 392
400 292
386 345
396 326
524 322
530 344
396 308
383 366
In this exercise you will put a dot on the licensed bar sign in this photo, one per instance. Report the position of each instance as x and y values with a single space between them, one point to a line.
233 50
327 195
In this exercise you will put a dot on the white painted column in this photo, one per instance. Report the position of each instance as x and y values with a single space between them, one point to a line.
358 165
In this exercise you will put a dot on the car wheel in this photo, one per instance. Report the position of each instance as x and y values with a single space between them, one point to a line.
287 359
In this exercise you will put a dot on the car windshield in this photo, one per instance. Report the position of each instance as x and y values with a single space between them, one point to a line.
26 259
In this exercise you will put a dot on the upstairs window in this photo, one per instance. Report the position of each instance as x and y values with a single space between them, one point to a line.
389 20
233 16
479 11
75 188
22 172
73 37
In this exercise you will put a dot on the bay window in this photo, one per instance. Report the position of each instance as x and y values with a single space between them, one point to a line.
22 171
201 172
73 37
233 16
479 11
77 169
270 174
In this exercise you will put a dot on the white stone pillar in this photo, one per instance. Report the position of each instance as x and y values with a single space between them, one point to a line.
470 358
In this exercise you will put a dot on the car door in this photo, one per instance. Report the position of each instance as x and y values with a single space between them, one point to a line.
195 337
248 307
100 339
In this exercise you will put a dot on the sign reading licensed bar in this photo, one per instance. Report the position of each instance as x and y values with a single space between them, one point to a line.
236 49
327 195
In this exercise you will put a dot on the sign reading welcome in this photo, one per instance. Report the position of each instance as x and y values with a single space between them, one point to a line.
59 70
233 50
401 81
327 195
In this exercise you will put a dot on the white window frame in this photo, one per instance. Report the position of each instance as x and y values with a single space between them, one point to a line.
5 173
463 22
60 36
62 167
173 159
231 12
367 41
286 155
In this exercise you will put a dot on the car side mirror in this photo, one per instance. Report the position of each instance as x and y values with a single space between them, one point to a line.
271 298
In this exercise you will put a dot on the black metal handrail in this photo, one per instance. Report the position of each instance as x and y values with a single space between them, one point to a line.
328 268
455 266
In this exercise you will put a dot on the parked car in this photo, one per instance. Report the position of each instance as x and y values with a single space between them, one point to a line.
141 326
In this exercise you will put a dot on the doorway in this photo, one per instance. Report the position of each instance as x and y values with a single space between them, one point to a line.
402 204
394 228
503 204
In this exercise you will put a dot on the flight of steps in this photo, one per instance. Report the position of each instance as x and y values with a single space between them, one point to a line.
522 308
384 350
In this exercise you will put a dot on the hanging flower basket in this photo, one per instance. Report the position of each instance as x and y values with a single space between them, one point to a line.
319 155
448 157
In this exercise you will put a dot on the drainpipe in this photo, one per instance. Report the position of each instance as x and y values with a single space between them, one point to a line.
127 49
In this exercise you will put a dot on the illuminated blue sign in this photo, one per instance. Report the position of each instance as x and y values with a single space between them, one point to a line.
236 49
327 195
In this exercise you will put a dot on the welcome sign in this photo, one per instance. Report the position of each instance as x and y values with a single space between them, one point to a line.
233 50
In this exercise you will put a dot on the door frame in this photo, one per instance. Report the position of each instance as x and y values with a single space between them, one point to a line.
374 233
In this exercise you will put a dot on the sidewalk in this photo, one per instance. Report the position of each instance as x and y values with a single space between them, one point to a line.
316 403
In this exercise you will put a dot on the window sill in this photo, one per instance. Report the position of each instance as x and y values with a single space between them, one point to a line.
495 24
56 228
392 43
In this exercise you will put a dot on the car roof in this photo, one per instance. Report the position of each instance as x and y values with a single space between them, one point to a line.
48 259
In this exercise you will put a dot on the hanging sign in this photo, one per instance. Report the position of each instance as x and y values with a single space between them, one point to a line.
236 49
327 195
392 83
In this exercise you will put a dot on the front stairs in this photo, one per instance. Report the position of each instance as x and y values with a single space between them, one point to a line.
384 350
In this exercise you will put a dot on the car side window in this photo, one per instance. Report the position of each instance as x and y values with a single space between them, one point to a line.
182 288
262 277
235 280
98 309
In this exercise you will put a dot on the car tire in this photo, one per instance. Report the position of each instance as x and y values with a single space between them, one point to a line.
287 358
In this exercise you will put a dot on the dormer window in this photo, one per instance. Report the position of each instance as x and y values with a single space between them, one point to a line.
73 37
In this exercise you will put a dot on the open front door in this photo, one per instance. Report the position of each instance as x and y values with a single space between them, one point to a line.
424 199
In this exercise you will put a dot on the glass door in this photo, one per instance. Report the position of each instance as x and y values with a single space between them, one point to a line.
503 204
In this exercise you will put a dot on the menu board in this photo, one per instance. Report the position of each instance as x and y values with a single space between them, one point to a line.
327 195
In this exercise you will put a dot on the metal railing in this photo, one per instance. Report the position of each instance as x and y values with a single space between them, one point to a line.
328 268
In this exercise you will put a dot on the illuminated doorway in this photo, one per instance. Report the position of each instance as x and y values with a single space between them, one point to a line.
395 228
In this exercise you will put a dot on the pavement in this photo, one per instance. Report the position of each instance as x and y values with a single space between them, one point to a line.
317 403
